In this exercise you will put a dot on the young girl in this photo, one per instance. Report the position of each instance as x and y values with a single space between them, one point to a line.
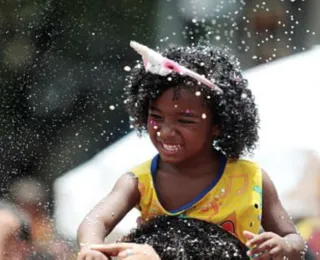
201 117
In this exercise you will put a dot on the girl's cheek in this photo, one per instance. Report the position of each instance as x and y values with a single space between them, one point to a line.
153 124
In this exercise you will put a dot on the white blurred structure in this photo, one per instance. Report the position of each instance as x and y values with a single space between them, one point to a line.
288 95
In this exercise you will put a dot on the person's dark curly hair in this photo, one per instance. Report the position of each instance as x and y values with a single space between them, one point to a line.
185 238
234 111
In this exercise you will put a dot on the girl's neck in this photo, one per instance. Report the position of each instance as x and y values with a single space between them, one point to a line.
201 165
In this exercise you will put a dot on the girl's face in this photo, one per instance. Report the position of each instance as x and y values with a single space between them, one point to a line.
181 129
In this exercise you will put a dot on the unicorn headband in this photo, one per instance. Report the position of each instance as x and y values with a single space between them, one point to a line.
157 64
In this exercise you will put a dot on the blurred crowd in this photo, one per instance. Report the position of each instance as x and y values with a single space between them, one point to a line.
27 228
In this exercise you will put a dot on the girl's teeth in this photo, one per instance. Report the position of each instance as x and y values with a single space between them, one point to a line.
171 147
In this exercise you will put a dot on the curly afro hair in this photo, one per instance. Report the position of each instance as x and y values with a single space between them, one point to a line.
234 111
186 238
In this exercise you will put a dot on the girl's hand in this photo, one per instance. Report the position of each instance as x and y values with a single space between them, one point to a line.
127 251
267 245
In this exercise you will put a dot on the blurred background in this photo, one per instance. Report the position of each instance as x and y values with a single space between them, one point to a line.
62 71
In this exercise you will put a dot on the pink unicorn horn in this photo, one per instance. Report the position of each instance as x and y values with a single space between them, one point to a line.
157 64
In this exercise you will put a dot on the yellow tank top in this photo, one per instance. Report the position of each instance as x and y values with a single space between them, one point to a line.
233 200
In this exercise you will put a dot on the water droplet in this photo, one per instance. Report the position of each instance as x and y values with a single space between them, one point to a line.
112 107
198 93
204 116
127 68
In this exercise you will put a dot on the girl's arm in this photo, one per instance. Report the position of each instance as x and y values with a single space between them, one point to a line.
108 212
280 239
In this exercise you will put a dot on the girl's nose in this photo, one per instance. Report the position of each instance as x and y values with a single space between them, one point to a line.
167 130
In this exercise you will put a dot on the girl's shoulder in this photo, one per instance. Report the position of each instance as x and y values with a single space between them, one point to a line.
142 169
243 165
243 162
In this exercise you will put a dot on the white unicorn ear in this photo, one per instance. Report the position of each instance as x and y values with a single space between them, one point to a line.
157 64
147 54
139 48
157 69
153 61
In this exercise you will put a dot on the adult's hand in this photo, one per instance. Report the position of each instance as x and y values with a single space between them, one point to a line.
86 253
127 251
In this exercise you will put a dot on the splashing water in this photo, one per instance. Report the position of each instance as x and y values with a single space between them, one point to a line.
127 68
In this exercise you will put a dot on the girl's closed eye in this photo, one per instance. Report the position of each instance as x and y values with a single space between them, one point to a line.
155 116
187 121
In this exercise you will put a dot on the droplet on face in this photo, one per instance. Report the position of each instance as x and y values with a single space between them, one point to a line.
198 93
175 106
204 116
158 133
155 127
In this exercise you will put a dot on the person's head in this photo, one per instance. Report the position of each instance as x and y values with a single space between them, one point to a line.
30 194
184 118
15 235
183 238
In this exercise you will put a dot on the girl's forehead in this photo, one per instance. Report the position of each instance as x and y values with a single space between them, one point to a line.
183 99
